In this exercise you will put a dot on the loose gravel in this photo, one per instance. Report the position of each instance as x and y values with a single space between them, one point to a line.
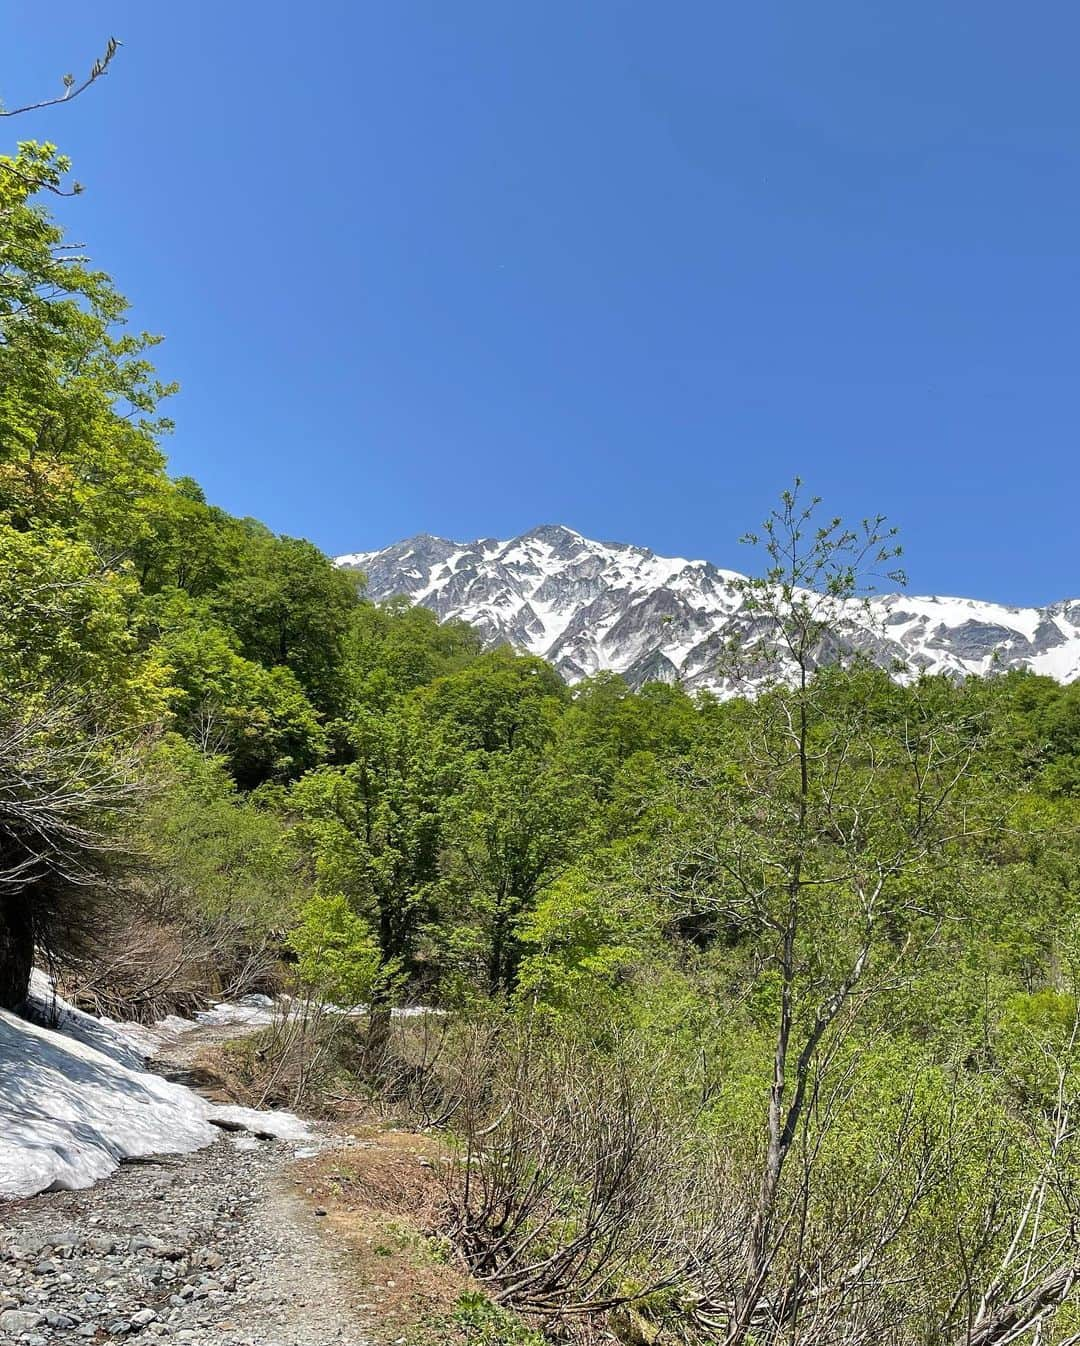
208 1248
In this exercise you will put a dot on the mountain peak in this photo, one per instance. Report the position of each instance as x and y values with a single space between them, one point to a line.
588 606
552 532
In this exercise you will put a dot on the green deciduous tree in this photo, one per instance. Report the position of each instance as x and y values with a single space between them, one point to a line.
509 834
290 606
337 955
374 828
394 648
258 717
78 395
500 701
816 835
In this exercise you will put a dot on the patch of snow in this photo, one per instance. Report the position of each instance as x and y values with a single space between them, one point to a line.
70 1113
241 1014
75 1100
953 612
280 1125
48 1009
1062 663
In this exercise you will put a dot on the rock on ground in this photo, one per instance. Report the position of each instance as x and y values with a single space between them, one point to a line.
208 1249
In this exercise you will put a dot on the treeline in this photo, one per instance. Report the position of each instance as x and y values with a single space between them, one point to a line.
762 1015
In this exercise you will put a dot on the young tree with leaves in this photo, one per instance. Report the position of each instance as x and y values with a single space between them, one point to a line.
812 837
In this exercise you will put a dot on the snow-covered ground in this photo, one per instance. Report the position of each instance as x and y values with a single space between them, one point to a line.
76 1098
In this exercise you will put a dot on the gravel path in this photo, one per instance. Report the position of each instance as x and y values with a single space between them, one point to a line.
212 1249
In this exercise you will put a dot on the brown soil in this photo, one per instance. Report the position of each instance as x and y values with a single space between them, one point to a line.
382 1195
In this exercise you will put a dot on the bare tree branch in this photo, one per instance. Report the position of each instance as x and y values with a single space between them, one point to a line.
71 89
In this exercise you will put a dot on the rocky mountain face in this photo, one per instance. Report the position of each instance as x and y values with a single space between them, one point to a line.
587 606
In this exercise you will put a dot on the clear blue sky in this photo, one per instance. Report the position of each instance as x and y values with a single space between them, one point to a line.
466 267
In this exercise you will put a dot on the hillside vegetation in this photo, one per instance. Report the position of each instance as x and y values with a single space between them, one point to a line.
760 1016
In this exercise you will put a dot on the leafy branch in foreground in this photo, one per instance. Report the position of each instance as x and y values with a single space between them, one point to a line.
810 607
817 835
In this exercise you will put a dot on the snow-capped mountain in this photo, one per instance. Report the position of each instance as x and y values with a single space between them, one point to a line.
588 605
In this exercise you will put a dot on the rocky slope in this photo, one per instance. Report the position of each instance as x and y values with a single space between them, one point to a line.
588 605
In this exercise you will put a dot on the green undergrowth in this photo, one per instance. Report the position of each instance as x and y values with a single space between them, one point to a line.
475 1320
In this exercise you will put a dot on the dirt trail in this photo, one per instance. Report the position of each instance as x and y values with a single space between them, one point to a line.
216 1248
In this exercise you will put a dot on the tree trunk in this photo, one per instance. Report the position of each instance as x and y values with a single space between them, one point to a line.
377 1044
780 1132
996 1329
496 955
16 950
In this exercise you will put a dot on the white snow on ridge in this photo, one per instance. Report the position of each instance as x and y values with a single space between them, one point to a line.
588 605
75 1100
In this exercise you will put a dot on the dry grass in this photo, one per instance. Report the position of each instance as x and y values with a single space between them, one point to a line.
385 1193
321 1064
381 1193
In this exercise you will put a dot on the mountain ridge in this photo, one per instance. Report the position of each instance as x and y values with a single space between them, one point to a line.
588 605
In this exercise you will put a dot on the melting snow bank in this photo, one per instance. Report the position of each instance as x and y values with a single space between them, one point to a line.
75 1101
127 1044
276 1125
69 1113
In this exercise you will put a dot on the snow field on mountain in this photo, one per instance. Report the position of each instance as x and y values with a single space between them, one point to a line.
588 606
